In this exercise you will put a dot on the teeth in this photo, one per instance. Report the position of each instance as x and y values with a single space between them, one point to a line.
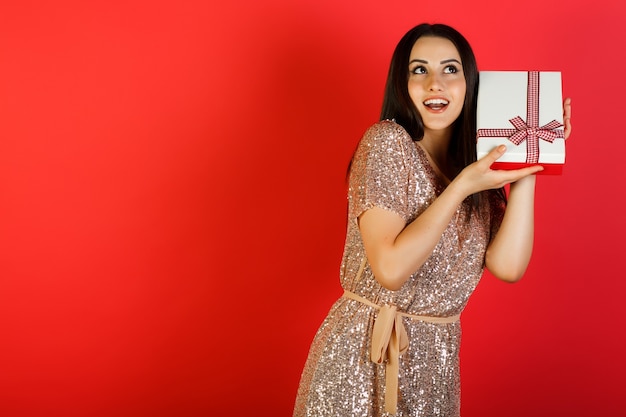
436 101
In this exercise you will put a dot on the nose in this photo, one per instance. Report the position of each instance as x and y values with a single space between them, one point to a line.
434 82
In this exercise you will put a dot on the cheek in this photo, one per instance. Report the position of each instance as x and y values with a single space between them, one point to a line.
413 94
460 88
459 93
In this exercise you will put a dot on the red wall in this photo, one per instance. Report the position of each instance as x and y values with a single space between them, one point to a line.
172 203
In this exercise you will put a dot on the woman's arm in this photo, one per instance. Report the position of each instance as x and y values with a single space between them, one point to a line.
396 250
509 252
508 255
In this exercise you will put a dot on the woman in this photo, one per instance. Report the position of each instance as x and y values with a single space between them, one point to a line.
425 219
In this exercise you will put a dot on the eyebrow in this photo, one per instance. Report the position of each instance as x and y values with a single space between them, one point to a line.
445 61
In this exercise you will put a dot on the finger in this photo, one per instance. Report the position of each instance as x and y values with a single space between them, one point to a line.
567 107
524 172
567 130
509 176
567 116
494 154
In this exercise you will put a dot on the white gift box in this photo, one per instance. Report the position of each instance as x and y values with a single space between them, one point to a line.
524 111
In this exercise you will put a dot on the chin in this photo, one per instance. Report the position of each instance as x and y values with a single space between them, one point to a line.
438 128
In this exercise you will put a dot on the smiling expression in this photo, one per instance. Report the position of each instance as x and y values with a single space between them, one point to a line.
436 83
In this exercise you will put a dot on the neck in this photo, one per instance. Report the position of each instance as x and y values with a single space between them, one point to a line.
436 145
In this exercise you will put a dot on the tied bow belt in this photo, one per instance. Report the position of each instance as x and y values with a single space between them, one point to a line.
390 340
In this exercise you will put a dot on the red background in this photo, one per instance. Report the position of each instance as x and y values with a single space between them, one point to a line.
172 207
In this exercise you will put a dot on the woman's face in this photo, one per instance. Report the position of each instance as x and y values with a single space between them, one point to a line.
436 82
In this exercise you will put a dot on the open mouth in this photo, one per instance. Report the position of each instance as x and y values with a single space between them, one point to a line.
436 104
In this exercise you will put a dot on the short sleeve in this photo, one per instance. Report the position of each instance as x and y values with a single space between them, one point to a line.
379 174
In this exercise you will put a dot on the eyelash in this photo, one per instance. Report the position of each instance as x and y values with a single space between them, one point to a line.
448 69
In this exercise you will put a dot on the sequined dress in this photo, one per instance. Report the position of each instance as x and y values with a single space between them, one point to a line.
391 171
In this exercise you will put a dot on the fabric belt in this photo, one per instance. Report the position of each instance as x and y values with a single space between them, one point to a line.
390 341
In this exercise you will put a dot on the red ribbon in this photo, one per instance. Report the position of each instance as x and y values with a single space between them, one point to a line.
529 131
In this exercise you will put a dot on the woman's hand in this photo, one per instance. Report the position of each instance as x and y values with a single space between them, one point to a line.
479 176
567 116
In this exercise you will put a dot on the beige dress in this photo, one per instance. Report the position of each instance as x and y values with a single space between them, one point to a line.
391 171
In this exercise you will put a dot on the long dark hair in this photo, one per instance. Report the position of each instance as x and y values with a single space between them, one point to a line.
397 103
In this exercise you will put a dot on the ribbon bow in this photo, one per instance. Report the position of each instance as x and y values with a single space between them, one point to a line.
389 341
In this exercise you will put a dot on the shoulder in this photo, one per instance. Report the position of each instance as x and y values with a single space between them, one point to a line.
386 135
386 130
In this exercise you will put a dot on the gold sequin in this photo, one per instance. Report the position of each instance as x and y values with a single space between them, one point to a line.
339 379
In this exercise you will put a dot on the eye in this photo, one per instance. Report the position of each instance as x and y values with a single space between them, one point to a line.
419 70
450 69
